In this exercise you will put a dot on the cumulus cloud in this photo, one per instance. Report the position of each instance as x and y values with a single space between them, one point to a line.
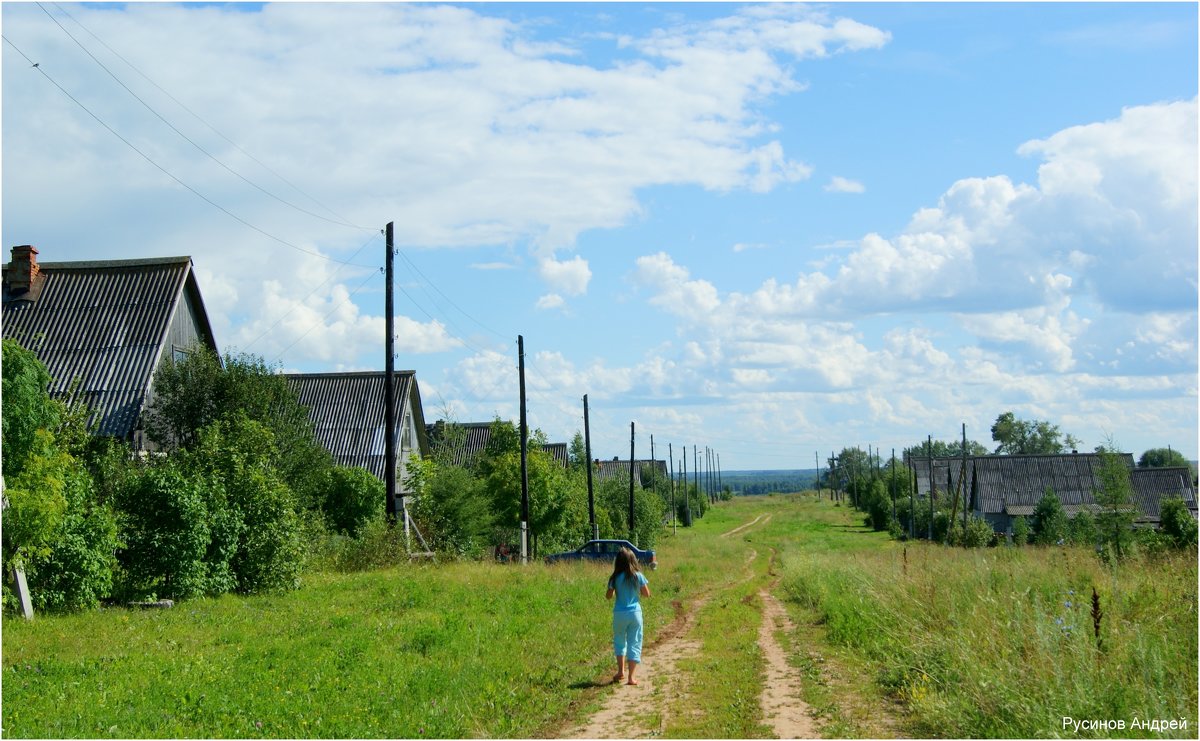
551 301
569 276
839 184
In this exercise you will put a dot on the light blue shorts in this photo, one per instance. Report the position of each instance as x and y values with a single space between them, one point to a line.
627 634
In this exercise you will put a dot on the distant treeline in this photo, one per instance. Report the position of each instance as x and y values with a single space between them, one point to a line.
768 482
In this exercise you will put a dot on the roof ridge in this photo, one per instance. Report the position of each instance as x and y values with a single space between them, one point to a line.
102 264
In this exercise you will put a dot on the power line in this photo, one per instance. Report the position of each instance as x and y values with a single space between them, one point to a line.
198 194
320 285
451 301
342 303
198 117
185 137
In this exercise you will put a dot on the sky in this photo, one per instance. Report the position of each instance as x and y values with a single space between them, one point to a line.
772 230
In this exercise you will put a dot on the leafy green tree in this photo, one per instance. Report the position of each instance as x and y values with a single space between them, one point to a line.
1162 458
878 505
1022 437
1083 529
77 571
353 497
1177 523
27 406
557 510
235 457
452 508
577 452
1115 519
648 509
166 534
192 394
944 449
1020 531
1049 520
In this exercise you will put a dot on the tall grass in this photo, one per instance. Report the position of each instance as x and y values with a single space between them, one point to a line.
1001 642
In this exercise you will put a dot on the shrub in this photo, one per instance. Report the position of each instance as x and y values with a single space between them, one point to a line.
166 534
451 507
1177 523
1020 531
878 506
1083 529
353 497
1049 520
978 534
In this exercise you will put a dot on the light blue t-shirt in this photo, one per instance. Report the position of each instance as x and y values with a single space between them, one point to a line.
626 598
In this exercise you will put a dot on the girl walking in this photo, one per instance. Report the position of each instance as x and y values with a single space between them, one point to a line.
627 583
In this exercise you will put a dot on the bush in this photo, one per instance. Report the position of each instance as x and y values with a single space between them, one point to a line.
1083 529
352 498
877 506
1177 523
451 507
1020 531
1049 520
979 533
166 535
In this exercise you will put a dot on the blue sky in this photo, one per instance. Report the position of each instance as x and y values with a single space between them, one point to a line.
770 229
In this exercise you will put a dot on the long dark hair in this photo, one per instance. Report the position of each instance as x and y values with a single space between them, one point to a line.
625 563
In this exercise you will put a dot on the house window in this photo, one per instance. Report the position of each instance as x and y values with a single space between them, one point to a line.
178 354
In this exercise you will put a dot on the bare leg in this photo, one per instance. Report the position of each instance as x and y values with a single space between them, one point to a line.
621 669
633 665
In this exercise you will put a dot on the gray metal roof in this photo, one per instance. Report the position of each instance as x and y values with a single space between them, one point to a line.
1003 483
1152 486
348 415
474 439
945 473
104 323
619 468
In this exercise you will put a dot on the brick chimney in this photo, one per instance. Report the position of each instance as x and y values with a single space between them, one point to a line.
23 268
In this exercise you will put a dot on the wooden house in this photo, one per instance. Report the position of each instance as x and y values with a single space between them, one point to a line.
618 468
103 327
465 442
1001 488
347 412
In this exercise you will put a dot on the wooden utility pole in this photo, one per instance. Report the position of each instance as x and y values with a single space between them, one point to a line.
892 484
962 480
631 472
687 497
674 511
696 468
653 466
932 483
389 383
524 456
587 447
720 486
817 462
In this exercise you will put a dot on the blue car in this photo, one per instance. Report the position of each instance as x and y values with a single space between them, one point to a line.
605 551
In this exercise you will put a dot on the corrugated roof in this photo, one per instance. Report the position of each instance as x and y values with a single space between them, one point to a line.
103 323
607 469
945 473
348 416
1008 483
1151 486
474 438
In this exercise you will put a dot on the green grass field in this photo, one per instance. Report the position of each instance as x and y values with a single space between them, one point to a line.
894 638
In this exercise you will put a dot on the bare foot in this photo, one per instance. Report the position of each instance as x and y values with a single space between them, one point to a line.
618 678
632 681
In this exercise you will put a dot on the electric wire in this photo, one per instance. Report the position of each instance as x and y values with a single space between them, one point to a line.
450 300
320 285
199 118
187 138
331 312
198 194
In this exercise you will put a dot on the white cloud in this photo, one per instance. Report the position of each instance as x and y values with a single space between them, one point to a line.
839 184
743 246
569 276
551 301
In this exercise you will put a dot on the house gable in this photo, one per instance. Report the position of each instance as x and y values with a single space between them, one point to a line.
102 328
